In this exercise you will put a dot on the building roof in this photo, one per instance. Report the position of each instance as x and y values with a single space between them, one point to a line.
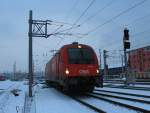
145 47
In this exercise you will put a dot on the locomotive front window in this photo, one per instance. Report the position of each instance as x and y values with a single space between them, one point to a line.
80 56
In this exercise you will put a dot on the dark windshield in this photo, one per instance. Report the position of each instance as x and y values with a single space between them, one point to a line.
80 56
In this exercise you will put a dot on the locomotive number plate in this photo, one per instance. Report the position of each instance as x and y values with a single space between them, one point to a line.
84 72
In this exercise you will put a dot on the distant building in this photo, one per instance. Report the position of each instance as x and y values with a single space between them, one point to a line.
2 78
139 59
113 71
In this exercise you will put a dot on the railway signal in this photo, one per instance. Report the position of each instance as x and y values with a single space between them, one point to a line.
126 39
126 44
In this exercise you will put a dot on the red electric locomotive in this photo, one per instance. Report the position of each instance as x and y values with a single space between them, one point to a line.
74 66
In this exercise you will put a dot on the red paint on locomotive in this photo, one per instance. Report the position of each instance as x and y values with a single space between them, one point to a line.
74 65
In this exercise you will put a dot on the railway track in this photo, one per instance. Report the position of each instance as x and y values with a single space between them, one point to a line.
94 101
122 93
129 87
122 82
87 104
123 98
129 107
137 109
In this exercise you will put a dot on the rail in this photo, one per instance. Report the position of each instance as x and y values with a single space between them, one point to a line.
121 104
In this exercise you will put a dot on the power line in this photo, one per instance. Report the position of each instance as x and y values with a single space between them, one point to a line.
57 29
73 26
69 28
71 10
66 23
115 17
91 3
141 44
133 35
138 19
125 12
137 45
135 20
98 12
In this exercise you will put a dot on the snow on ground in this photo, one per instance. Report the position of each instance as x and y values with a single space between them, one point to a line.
4 85
49 100
9 103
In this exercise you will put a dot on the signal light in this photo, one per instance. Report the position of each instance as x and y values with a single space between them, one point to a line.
126 39
126 34
127 45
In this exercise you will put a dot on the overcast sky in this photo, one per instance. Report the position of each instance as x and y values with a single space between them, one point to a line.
112 16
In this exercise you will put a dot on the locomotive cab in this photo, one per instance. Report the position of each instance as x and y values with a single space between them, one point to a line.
82 68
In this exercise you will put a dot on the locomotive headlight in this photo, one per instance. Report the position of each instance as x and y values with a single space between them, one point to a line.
67 71
79 46
97 71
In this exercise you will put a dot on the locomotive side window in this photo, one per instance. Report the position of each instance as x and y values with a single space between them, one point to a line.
80 56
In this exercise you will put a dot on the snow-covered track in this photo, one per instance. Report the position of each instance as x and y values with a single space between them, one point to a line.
122 93
138 109
124 98
87 104
128 87
122 82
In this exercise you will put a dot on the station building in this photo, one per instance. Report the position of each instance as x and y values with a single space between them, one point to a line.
139 59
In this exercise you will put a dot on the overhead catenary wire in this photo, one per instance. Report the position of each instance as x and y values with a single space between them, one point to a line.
57 29
83 13
132 35
98 12
115 41
135 34
118 15
74 24
71 10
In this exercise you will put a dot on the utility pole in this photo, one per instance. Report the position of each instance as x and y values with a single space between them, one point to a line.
105 62
122 63
14 69
100 66
30 55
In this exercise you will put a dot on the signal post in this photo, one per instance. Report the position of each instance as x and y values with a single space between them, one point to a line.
126 44
37 28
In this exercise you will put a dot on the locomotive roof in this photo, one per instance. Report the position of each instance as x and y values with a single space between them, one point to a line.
72 45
